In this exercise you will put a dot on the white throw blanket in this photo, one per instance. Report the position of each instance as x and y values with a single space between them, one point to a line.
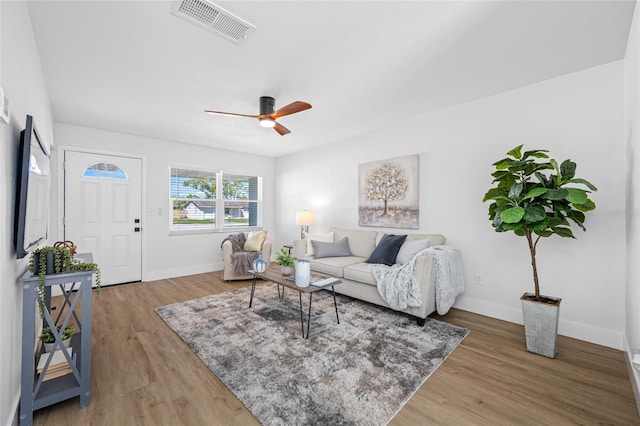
399 289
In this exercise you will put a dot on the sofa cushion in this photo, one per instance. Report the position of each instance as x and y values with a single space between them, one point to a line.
333 265
339 249
361 243
436 239
387 250
410 248
327 238
359 272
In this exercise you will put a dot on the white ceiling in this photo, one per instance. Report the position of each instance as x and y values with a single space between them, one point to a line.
132 67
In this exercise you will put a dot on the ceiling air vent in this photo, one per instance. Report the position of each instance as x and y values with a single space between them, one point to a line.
213 18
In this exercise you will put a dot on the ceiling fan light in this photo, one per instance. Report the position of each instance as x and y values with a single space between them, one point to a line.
268 122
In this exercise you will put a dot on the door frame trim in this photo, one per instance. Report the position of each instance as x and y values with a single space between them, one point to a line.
62 150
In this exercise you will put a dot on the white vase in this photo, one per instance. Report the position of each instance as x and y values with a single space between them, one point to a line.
286 270
303 273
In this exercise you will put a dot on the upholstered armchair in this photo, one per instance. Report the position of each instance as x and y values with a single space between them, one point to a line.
231 270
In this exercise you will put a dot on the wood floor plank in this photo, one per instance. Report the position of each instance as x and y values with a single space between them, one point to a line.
144 374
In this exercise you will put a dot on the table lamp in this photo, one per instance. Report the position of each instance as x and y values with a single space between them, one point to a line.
304 219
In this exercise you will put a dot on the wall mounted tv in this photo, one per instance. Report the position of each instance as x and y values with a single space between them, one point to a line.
33 191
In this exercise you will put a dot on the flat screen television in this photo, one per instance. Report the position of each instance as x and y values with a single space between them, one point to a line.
33 191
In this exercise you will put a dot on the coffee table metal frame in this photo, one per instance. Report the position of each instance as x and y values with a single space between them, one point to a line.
273 274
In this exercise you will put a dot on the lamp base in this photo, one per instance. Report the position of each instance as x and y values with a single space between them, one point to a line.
304 231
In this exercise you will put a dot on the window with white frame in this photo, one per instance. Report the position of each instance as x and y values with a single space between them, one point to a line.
214 200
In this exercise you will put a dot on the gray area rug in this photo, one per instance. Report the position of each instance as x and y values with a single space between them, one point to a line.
359 372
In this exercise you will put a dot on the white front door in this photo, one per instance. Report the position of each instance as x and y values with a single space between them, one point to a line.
102 212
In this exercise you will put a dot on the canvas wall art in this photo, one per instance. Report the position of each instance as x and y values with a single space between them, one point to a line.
388 193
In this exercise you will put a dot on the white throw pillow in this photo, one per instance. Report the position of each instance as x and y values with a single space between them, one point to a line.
325 238
410 248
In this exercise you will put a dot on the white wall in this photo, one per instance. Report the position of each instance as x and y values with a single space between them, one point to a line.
165 255
577 116
632 138
24 85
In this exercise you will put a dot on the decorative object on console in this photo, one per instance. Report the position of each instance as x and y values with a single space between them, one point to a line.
304 219
388 193
536 208
56 260
303 273
49 339
259 265
286 261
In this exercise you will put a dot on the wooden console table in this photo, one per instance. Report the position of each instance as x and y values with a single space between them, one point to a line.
37 393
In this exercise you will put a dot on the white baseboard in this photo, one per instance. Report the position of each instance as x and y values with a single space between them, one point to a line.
12 420
634 375
588 333
163 274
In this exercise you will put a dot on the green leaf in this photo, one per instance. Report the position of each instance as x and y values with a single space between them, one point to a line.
586 206
576 196
493 193
554 163
583 182
542 179
534 214
516 190
516 152
512 215
544 233
540 226
535 192
568 169
519 232
502 164
556 194
538 153
563 232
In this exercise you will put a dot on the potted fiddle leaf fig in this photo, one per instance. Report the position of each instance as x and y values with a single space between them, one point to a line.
535 197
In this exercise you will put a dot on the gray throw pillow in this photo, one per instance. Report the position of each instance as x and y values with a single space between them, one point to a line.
323 249
410 248
387 249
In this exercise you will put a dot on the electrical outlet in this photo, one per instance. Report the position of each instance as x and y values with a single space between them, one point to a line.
478 279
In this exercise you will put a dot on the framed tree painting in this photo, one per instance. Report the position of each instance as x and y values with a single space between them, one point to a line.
388 193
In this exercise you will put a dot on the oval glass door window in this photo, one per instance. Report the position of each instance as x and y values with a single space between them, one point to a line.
104 171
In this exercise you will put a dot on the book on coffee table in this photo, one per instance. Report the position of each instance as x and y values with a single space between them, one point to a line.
319 280
326 281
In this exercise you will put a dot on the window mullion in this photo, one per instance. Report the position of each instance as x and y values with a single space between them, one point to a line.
219 200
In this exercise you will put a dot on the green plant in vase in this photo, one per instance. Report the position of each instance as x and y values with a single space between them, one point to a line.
61 261
286 260
57 258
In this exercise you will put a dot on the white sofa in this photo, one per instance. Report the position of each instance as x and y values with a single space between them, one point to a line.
353 270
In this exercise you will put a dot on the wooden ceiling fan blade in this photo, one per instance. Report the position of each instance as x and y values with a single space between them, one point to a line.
233 114
281 129
292 108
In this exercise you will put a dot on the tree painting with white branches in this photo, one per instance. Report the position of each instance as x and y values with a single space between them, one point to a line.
387 183
388 193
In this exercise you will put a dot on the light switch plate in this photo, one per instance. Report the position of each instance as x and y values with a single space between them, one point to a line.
5 113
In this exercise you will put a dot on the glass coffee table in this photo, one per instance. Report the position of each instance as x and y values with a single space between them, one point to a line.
273 275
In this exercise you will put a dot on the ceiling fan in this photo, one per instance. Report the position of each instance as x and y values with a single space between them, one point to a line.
268 116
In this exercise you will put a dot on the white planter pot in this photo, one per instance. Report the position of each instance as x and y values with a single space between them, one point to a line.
49 346
541 325
286 270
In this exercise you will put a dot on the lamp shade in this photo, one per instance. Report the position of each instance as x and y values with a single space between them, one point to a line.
304 218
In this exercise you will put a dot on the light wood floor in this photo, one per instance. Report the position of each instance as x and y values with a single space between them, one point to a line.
143 374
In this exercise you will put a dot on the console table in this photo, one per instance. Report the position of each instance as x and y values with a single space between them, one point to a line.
37 393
